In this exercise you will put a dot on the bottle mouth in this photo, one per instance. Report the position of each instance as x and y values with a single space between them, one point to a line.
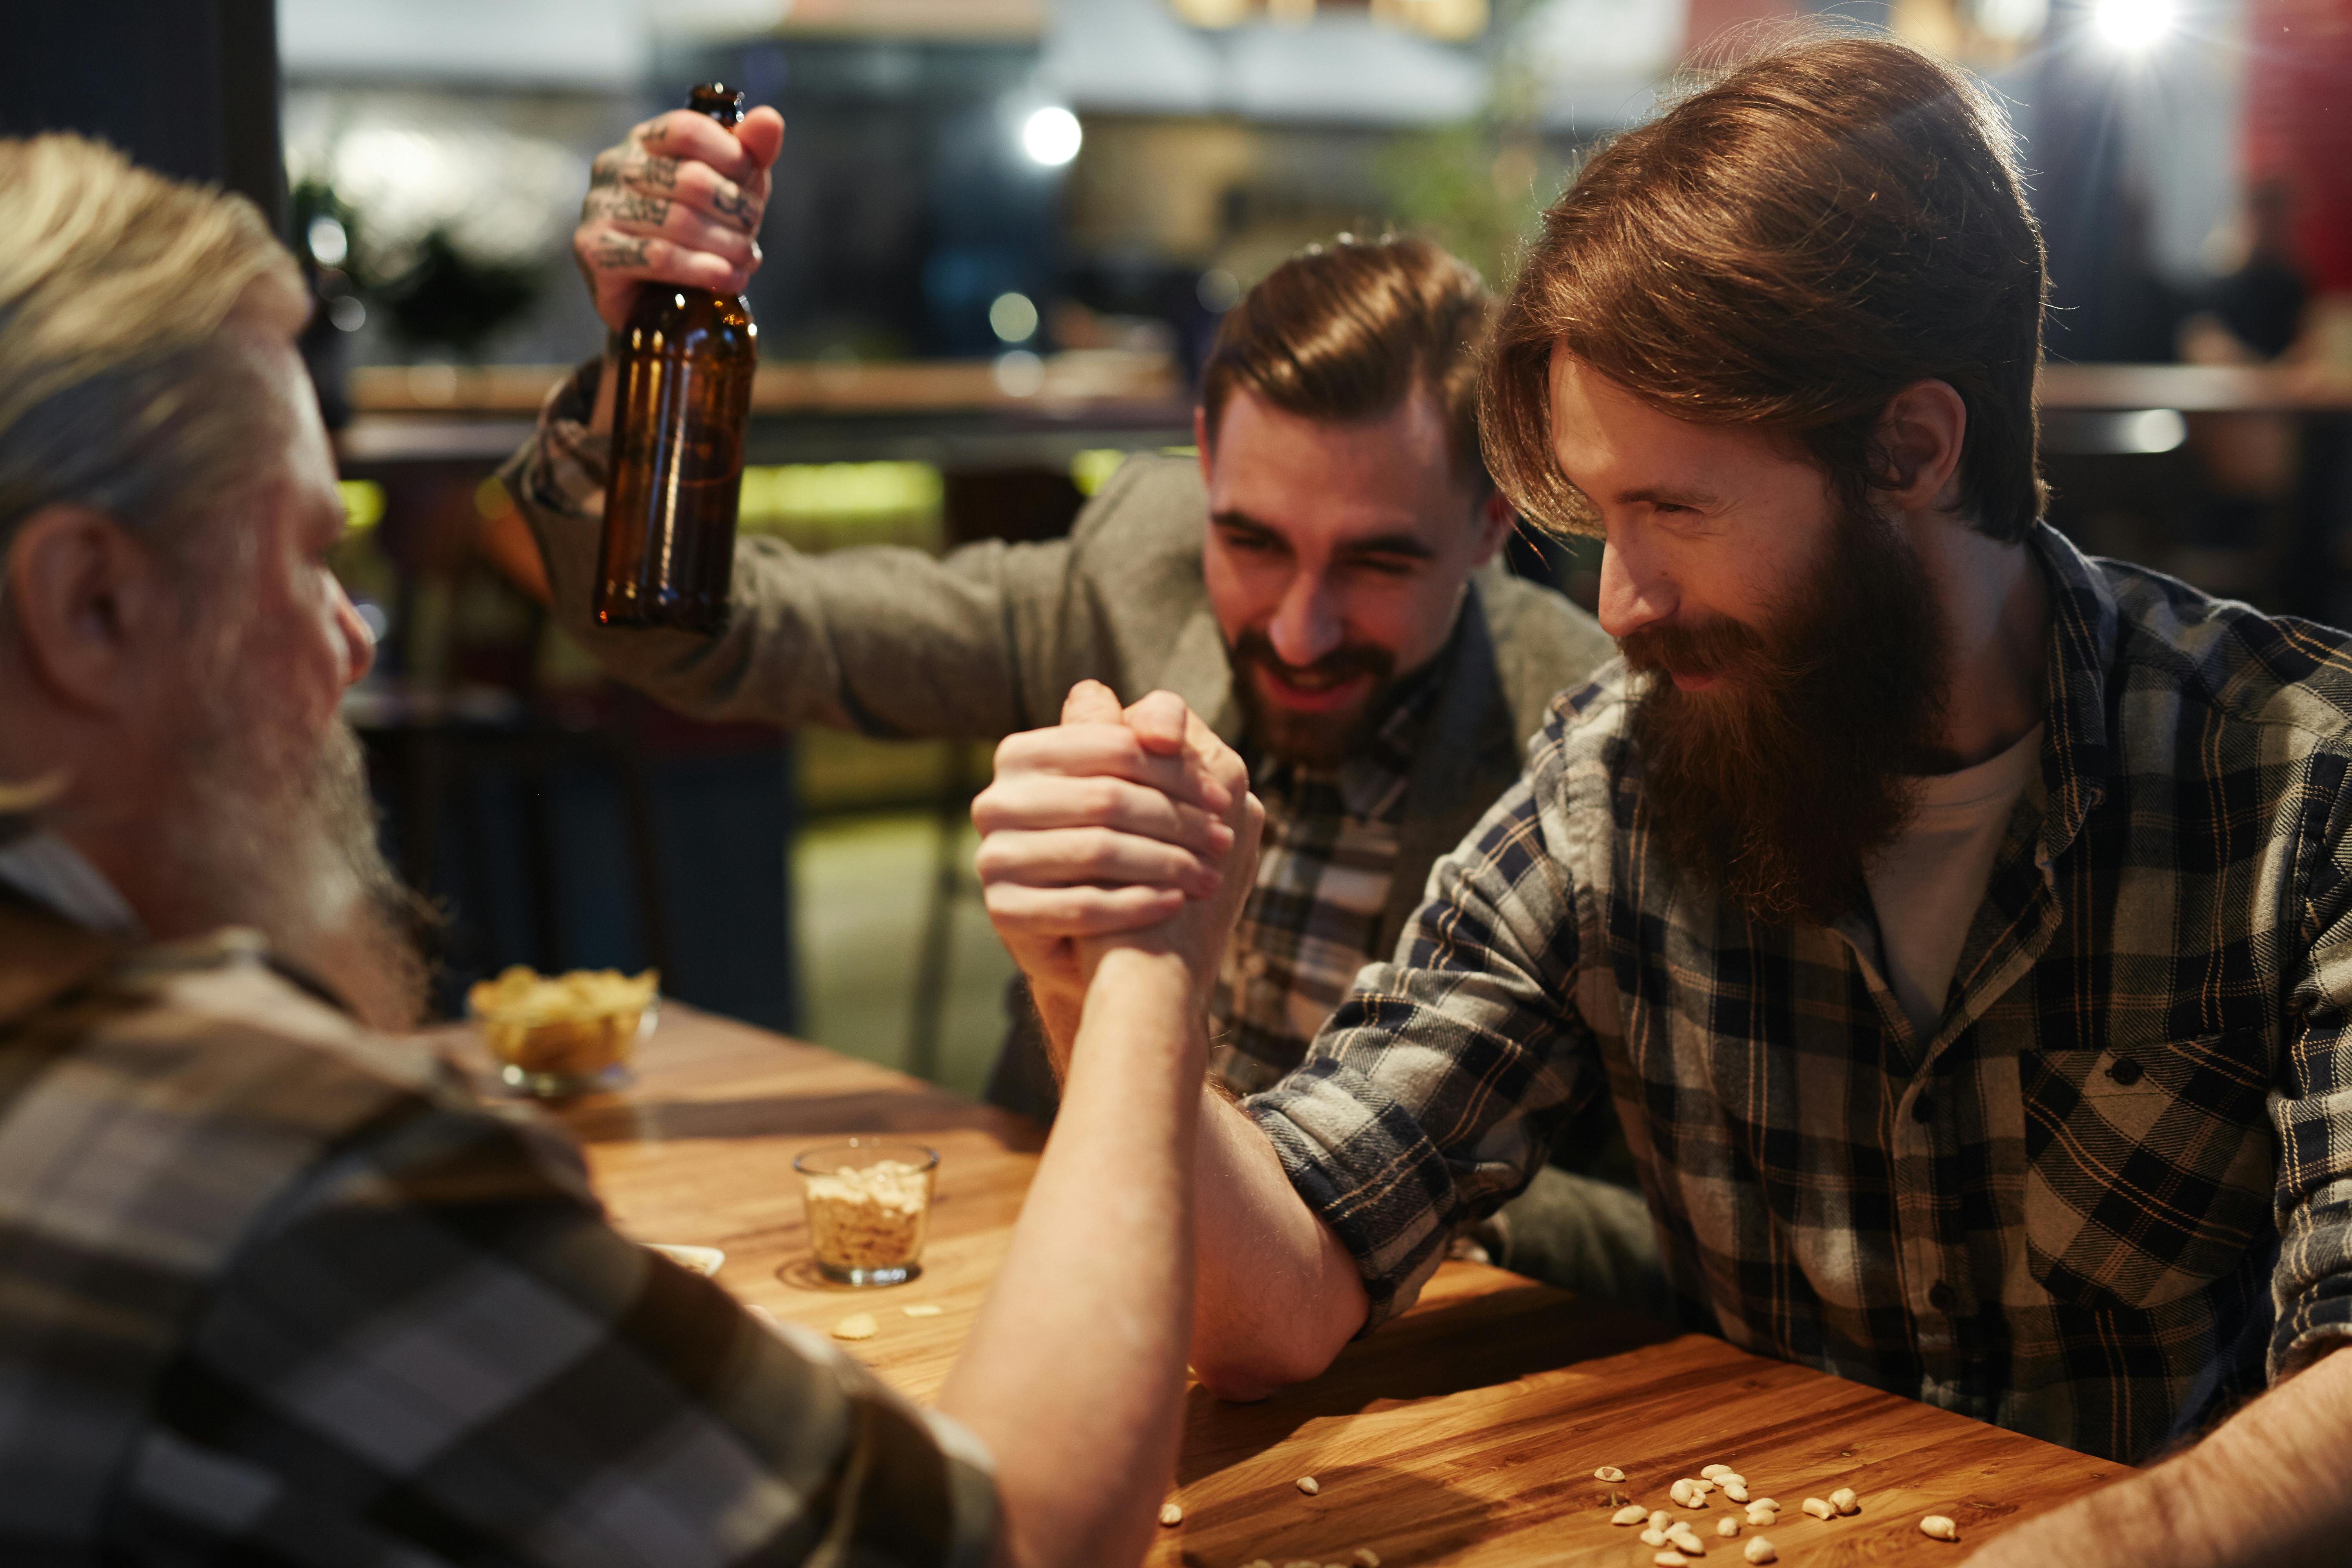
721 102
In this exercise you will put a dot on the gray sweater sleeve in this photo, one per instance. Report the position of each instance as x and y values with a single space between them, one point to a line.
889 641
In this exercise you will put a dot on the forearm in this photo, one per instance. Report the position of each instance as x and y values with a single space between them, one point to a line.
2262 1489
1075 1369
1278 1295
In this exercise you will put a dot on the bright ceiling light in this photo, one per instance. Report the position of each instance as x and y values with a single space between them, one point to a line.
1051 137
2133 25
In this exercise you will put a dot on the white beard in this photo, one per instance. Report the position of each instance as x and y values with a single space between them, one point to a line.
280 835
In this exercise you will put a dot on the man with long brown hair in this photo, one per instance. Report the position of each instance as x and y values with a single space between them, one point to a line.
1958 925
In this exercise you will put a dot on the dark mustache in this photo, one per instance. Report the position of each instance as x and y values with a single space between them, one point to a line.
1348 659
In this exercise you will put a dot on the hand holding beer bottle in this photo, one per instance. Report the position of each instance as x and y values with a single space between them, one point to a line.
666 241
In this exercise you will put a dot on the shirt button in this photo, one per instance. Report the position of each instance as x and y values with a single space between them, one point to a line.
1924 1108
1941 1296
2125 1071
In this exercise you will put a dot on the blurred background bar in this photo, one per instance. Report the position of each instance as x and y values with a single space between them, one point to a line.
1003 234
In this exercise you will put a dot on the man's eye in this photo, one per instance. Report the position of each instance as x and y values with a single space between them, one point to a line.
1388 565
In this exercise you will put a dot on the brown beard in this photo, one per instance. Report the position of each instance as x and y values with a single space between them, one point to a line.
1316 740
1775 786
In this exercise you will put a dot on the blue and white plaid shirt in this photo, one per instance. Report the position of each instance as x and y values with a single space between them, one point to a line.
2110 1195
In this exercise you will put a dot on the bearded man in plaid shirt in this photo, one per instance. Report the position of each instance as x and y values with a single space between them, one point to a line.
274 1287
1960 926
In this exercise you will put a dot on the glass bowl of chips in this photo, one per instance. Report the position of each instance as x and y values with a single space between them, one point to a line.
555 1036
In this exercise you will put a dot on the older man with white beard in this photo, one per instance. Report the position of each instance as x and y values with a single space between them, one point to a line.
272 1287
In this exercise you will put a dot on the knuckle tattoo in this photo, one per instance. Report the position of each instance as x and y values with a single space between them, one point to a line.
662 171
634 207
615 251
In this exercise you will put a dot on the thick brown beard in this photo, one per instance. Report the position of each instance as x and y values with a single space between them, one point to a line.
1775 786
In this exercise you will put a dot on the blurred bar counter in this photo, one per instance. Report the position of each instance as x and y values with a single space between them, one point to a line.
1019 409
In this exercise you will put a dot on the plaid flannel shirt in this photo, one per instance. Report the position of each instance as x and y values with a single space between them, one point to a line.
2110 1195
272 1289
1325 861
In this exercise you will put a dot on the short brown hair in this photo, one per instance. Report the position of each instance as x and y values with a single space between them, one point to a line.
1789 247
1347 331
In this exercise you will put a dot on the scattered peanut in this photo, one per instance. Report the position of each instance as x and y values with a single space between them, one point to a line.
1609 1473
1703 1486
924 1309
856 1326
1845 1501
1171 1514
1683 1538
1819 1508
1671 1559
1755 1504
1759 1550
1937 1527
1734 1488
1309 1485
1729 1527
1687 1493
1660 1518
1257 1562
1731 1478
1654 1536
1631 1513
1366 1558
1709 1472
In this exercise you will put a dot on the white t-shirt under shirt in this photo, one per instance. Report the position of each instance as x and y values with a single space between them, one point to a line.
1926 885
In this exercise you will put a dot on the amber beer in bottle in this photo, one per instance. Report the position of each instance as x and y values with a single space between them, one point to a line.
685 363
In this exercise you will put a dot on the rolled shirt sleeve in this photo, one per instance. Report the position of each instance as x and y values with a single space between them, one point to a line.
1432 1097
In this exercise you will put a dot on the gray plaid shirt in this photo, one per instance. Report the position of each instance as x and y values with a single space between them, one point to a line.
274 1290
1326 863
2111 1195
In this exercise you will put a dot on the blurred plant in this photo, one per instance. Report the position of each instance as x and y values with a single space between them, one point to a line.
1476 186
451 300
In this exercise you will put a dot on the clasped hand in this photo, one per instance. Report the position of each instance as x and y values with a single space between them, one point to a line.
1132 828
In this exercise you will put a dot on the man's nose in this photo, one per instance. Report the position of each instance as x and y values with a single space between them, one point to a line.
1633 594
359 641
1306 624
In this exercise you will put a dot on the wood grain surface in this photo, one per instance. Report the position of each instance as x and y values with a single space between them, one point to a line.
1466 1432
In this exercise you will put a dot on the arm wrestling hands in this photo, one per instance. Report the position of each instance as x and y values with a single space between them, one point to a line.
1117 829
1075 1372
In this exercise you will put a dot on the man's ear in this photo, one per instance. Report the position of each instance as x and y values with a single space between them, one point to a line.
85 599
1919 439
1495 517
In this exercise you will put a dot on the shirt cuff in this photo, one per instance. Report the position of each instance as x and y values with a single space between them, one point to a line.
1368 1171
563 469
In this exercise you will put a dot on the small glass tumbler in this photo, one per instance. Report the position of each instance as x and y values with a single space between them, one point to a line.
868 1201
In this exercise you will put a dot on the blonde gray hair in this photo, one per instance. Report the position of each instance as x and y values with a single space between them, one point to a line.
122 386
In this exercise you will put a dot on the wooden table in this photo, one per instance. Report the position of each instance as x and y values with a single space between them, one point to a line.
1466 1432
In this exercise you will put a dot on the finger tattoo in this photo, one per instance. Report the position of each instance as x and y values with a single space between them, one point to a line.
662 171
635 208
733 201
616 252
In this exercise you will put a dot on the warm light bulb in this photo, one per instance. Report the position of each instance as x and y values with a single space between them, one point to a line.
2133 25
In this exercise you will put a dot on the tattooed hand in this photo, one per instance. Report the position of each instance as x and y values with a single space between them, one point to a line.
678 202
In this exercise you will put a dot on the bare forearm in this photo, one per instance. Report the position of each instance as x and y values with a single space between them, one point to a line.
2261 1488
1075 1369
1278 1296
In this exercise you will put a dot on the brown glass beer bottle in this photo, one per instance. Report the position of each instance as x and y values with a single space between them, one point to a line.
685 363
